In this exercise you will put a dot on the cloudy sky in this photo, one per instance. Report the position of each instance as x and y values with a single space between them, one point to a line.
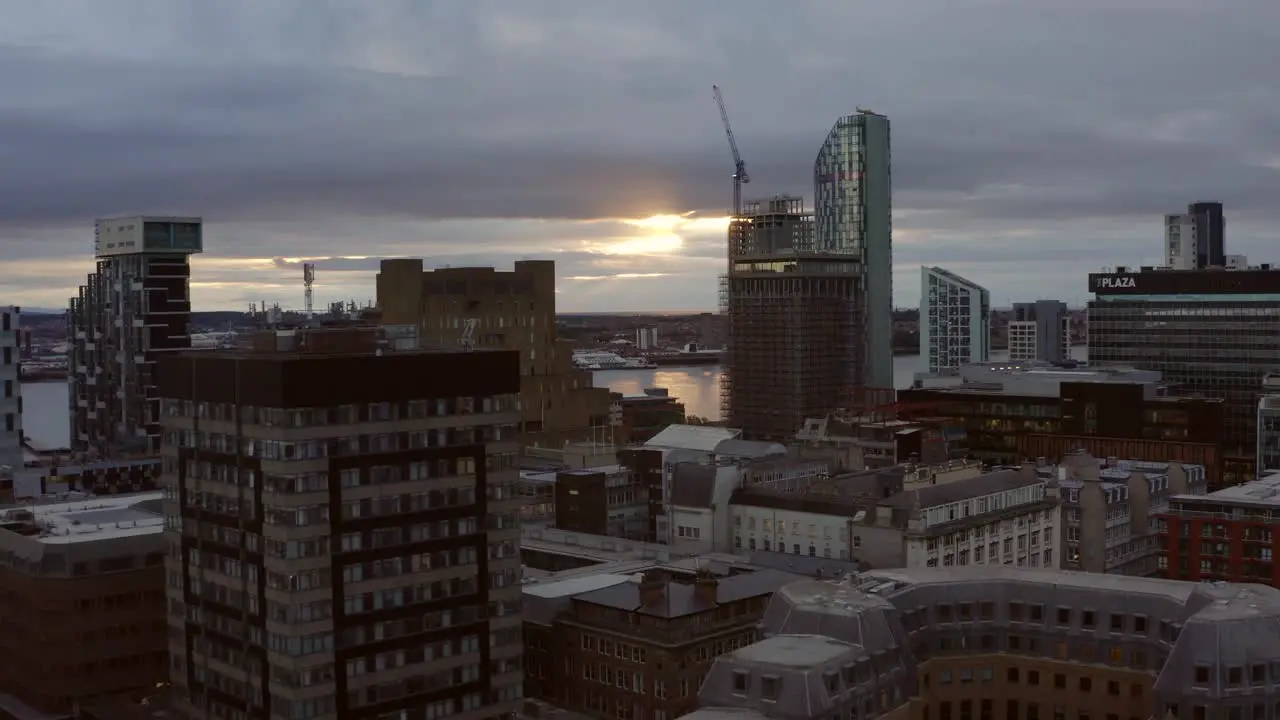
1034 140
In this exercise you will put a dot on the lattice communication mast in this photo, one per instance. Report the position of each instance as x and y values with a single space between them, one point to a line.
740 176
308 278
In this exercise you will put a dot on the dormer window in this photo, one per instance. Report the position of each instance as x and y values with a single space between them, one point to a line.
770 687
741 682
832 681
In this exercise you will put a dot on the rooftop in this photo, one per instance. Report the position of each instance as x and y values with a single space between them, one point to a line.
89 519
680 599
793 651
1262 493
703 438
1033 378
575 586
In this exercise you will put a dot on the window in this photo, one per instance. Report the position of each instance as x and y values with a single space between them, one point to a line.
1140 624
1235 676
1116 655
1087 620
1036 613
944 613
1113 687
1012 675
740 682
1117 622
1086 683
987 610
769 685
1015 611
1033 677
1064 616
1060 681
966 611
1202 676
1258 674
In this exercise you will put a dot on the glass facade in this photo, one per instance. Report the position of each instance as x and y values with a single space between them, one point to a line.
955 320
852 187
1213 345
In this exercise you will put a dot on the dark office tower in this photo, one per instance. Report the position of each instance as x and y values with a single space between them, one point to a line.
133 309
1196 239
1040 330
343 528
792 316
1210 333
852 196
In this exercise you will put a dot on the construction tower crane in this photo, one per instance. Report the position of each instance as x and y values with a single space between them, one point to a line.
740 175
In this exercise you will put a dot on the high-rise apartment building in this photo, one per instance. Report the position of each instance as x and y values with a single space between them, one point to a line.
794 334
852 190
809 297
1208 332
10 389
515 310
1040 330
132 310
1196 239
343 527
955 320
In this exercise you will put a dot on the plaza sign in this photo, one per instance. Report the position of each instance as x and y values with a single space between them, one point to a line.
1115 283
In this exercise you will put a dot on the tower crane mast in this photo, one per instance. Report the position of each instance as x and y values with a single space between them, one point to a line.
740 175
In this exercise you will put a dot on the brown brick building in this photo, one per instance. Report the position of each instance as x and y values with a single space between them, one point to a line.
997 407
512 311
612 646
82 602
1232 534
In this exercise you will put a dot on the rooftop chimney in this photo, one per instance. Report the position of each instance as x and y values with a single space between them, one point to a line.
653 587
705 585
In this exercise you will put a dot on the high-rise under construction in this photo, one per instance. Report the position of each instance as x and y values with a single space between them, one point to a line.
809 297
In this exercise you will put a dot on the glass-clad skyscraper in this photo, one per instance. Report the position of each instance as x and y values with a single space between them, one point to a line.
852 205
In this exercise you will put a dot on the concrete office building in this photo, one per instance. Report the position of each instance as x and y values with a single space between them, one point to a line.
1001 404
1040 330
1004 644
82 615
1196 239
133 309
1003 517
506 310
955 320
1268 434
343 549
10 389
1206 331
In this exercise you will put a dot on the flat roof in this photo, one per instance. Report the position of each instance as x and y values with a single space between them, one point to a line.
96 518
575 586
794 651
1264 492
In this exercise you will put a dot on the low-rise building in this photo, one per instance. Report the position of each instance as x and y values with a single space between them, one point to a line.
605 500
82 610
637 418
637 646
1230 534
1004 644
869 442
1111 508
1004 517
996 403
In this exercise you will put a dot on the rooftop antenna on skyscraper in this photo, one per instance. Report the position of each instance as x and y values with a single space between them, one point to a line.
740 175
308 277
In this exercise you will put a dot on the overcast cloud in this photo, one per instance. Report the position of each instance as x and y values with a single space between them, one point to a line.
1034 141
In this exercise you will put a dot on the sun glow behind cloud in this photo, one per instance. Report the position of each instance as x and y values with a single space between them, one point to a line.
659 234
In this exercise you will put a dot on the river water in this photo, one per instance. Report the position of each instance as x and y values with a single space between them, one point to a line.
44 405
699 387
